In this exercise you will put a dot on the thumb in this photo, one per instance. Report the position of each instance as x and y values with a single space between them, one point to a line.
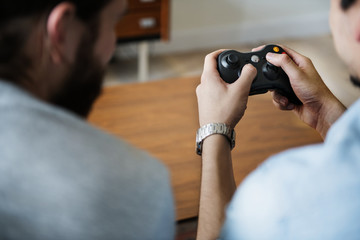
247 76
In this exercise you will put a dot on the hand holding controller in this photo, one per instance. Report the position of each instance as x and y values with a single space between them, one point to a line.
231 62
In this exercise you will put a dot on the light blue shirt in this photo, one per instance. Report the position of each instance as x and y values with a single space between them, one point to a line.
311 192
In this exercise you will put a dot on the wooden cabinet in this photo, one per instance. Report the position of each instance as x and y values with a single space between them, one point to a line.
145 19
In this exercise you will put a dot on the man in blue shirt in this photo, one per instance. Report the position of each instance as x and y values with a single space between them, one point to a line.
307 193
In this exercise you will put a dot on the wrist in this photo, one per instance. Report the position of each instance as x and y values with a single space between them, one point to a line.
212 129
330 111
215 146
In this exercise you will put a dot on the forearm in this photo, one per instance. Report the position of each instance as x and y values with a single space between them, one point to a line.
218 102
217 186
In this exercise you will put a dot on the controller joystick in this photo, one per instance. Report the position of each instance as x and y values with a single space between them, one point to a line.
231 61
269 76
271 71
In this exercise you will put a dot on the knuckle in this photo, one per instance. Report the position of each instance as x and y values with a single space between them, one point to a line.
285 59
198 89
208 56
308 61
249 70
203 76
276 104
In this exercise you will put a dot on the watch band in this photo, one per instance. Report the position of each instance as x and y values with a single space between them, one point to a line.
214 128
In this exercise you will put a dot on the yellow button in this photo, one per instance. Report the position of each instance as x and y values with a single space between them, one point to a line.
276 49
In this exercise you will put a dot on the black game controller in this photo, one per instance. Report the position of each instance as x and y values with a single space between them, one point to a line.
269 77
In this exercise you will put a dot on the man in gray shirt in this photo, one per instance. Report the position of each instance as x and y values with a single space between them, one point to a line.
61 178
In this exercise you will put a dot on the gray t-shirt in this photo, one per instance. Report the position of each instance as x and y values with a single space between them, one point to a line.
61 178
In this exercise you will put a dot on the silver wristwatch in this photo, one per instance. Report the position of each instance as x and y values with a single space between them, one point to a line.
214 128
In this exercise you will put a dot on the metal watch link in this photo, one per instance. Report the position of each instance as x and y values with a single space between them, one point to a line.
214 128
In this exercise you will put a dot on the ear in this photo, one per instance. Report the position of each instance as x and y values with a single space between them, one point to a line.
353 20
60 31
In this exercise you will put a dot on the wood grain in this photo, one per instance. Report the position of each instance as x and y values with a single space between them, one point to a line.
161 117
165 20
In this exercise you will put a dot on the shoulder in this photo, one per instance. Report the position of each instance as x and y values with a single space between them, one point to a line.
48 128
303 192
266 197
59 139
68 169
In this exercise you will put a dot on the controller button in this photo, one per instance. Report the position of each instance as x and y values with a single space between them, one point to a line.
232 60
255 58
276 49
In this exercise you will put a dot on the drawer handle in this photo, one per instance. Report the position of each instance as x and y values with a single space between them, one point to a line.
147 1
147 23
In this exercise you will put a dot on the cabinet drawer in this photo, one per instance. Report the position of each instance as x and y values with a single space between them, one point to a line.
140 24
136 4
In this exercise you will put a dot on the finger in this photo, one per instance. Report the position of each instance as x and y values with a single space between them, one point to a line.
198 90
276 104
281 107
281 101
294 55
258 48
285 62
247 76
210 64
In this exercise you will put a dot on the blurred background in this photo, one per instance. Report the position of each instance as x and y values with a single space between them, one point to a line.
197 27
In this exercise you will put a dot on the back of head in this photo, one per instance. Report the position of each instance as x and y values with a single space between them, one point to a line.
345 4
20 8
17 17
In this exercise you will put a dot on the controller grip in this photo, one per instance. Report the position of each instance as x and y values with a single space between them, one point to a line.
269 77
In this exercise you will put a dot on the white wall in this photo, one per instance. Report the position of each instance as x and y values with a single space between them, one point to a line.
199 24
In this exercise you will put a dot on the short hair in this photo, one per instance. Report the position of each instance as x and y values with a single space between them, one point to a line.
346 4
17 17
12 9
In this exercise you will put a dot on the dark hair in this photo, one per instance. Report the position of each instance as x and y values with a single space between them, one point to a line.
12 9
17 19
346 4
